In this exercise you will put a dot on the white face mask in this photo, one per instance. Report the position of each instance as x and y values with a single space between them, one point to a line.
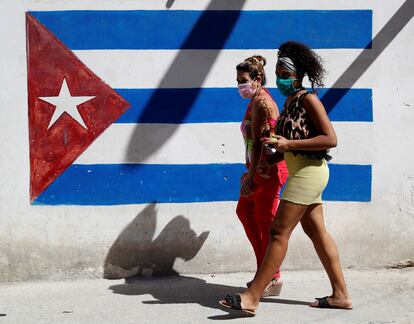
246 90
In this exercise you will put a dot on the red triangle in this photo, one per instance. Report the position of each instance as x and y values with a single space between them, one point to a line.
53 150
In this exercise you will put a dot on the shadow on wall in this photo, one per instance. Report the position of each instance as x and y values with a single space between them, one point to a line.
182 69
136 253
169 4
196 75
368 56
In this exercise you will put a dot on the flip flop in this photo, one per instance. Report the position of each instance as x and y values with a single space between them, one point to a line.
233 301
323 303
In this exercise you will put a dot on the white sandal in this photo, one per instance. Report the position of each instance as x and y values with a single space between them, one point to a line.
273 288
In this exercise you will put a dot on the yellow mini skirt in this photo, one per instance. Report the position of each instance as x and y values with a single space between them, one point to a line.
307 179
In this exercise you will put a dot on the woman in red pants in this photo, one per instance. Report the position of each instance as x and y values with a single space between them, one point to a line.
259 194
305 134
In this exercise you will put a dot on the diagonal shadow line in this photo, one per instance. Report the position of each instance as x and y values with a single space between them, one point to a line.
368 56
169 4
199 74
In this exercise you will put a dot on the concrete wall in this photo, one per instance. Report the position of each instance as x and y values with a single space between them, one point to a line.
70 241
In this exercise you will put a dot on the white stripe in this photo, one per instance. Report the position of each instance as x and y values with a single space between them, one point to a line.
202 4
200 68
186 144
204 143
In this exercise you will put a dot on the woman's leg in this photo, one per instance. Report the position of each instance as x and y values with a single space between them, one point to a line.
313 225
287 217
266 202
246 212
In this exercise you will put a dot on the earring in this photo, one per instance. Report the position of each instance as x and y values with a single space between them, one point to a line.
296 84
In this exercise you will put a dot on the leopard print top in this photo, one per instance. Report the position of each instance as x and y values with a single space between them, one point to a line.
294 123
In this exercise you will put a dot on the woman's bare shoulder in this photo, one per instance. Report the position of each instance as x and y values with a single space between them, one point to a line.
264 103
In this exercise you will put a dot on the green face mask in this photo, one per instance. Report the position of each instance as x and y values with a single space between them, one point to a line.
286 87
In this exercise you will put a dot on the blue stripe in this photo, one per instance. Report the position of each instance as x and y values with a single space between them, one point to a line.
179 29
221 105
349 183
115 184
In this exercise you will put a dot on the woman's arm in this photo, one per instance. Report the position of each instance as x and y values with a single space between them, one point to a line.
264 165
260 114
326 138
275 158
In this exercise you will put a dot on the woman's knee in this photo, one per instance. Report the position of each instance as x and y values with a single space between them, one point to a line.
278 232
312 231
308 229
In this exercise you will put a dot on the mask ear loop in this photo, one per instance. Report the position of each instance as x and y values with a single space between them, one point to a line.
301 77
259 84
257 89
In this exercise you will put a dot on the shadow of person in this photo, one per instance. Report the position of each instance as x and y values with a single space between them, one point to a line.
138 258
188 290
179 290
176 240
135 252
284 301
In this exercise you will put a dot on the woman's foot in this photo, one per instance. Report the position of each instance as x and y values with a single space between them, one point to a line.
243 302
332 302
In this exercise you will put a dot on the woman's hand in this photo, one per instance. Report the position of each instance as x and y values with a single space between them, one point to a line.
263 169
247 185
279 142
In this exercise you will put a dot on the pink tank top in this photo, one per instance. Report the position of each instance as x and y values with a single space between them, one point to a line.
246 130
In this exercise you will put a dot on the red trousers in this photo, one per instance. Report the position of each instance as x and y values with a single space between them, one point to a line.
257 211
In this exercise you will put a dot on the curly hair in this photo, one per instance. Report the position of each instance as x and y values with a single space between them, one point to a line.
306 61
254 65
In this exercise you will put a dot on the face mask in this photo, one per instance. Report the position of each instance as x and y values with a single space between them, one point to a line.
286 87
246 90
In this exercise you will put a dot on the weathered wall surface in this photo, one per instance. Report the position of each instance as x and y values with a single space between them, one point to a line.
156 191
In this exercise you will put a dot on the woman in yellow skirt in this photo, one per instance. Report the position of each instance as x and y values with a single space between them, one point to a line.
305 134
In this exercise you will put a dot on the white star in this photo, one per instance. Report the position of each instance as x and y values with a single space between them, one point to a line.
65 102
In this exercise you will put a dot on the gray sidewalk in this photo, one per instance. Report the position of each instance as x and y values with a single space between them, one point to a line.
380 296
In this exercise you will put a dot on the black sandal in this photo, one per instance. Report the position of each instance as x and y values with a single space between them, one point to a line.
323 303
233 301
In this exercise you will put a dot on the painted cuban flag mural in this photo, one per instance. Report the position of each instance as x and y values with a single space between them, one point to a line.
141 106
